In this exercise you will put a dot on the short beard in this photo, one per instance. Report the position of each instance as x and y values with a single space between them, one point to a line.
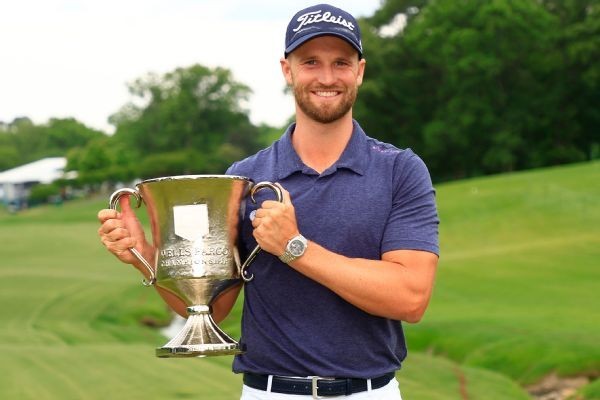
324 114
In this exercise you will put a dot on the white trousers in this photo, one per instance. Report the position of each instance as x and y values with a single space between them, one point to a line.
391 391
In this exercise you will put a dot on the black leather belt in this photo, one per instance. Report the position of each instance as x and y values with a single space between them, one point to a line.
316 386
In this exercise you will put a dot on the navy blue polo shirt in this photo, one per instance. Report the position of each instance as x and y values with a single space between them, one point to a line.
375 198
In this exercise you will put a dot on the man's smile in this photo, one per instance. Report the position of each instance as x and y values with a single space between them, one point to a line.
329 93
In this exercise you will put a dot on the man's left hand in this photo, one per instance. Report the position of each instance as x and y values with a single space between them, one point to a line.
275 223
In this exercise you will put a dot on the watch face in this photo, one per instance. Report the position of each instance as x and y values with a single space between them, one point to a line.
296 247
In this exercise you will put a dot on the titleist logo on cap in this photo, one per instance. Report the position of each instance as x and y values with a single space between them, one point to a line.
316 16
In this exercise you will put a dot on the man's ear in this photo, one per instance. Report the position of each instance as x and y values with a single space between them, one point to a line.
286 69
361 71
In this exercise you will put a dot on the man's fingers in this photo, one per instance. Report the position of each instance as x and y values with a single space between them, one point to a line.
118 245
117 234
106 214
113 231
116 230
110 225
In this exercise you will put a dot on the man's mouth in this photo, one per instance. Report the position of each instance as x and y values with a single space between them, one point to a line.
326 93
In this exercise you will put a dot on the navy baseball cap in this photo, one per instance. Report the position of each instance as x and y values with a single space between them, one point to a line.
322 20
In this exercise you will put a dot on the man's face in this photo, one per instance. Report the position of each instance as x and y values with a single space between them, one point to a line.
325 74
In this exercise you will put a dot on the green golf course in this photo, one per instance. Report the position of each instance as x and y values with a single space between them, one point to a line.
516 300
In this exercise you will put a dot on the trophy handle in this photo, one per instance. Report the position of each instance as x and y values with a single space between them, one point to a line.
112 204
259 186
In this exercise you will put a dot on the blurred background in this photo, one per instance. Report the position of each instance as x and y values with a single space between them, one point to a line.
500 98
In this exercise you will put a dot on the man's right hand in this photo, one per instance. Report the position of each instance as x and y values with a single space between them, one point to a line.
121 231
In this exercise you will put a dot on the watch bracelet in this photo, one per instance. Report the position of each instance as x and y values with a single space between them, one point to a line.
287 257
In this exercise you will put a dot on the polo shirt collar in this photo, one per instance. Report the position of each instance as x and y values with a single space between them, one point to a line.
354 156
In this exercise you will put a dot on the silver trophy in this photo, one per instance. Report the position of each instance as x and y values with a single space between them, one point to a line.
195 220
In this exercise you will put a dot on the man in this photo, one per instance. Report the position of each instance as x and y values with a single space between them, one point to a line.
349 253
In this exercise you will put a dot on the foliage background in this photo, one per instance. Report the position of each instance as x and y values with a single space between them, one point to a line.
474 87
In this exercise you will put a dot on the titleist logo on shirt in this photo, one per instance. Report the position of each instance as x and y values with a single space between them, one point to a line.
316 16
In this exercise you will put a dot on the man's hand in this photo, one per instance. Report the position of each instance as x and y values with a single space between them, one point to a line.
275 223
121 231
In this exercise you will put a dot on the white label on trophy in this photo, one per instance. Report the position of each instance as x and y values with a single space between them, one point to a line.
191 222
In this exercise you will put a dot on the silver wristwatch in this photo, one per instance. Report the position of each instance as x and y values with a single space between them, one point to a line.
295 248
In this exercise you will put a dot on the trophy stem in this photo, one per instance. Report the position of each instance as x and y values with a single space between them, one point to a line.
199 337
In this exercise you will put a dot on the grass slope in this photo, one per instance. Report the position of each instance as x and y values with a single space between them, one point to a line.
512 296
517 289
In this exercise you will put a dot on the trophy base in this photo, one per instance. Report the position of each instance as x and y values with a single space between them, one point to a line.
200 337
198 351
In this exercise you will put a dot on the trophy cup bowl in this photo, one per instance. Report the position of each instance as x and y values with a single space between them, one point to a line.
195 220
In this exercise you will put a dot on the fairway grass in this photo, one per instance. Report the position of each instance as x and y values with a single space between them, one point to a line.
70 329
517 287
515 299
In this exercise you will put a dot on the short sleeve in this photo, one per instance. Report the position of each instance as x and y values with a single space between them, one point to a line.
413 221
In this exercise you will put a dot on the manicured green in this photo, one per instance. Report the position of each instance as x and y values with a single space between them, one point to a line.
514 300
517 289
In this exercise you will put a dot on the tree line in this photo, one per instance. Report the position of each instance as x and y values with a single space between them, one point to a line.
474 87
480 87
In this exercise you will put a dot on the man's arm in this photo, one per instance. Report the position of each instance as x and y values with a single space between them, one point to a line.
398 286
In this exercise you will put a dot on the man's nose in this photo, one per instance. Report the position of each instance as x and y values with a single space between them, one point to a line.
327 76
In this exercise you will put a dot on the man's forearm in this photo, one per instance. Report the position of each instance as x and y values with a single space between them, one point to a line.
397 287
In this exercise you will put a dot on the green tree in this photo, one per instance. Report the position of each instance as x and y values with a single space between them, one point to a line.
101 160
29 140
192 114
9 156
390 9
64 134
578 41
22 141
476 87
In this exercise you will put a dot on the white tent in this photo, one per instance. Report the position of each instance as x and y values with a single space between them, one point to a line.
15 183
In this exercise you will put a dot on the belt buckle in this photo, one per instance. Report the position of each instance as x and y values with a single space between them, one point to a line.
315 387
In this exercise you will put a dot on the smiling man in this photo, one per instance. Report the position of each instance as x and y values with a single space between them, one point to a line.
352 250
348 255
